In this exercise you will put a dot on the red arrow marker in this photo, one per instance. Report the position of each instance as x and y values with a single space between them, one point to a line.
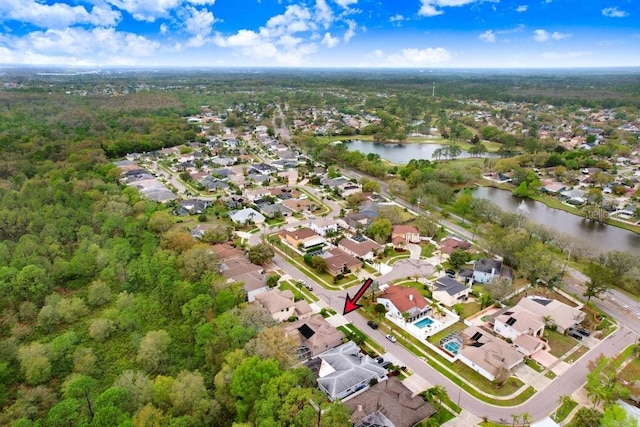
351 304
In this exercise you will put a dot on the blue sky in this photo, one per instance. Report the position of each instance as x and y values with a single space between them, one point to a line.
321 33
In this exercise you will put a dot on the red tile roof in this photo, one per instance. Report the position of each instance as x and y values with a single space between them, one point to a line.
405 298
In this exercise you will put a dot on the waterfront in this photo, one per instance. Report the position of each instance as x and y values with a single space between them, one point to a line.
601 237
403 153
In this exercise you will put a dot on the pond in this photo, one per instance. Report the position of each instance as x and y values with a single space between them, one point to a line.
601 237
403 153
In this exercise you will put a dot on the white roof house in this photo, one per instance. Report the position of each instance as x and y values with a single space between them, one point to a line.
247 214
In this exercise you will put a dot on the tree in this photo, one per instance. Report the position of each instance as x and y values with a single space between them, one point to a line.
522 190
152 352
66 413
458 258
535 262
101 329
616 416
260 254
370 186
84 361
380 230
138 387
272 280
274 343
464 203
603 385
246 381
380 310
587 417
98 294
32 283
198 261
499 288
436 394
83 388
35 362
600 281
319 263
189 394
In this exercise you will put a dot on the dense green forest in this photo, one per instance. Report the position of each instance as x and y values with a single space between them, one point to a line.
110 313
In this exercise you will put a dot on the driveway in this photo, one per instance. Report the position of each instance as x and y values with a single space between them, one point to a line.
415 250
408 268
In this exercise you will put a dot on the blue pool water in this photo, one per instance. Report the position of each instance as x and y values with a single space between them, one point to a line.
452 347
424 322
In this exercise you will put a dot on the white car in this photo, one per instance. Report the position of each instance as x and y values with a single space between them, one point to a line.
391 338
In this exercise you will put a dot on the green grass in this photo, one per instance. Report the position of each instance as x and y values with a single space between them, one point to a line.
534 365
550 374
458 326
577 354
560 344
469 309
349 329
298 293
426 250
563 411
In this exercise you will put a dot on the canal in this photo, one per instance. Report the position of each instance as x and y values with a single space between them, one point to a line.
601 237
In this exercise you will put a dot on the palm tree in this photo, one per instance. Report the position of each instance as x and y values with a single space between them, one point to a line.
436 310
526 418
436 394
514 417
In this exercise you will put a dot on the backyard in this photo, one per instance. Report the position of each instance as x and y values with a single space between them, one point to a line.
560 344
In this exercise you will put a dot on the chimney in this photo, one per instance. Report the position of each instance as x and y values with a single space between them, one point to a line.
359 408
410 297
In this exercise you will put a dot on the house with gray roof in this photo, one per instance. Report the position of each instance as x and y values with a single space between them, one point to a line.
486 269
345 370
449 292
245 215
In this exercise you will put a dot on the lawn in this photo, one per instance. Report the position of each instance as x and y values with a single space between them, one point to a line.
426 250
298 293
534 365
563 411
349 329
560 344
631 372
413 284
469 309
577 354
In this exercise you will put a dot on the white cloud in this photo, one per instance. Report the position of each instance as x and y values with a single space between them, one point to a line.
396 18
330 41
351 30
431 7
163 28
412 57
198 22
614 12
542 36
345 3
378 53
488 36
77 46
58 15
324 14
522 8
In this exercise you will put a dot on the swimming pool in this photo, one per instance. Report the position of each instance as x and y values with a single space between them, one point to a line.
427 321
452 347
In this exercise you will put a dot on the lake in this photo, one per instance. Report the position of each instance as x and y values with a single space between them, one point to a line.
602 237
403 153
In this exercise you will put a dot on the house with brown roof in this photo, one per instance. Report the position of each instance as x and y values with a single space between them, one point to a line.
281 305
302 238
360 246
400 300
316 335
486 354
340 262
300 205
388 403
408 232
450 244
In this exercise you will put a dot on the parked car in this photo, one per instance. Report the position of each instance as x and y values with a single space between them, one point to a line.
391 338
583 331
379 359
372 324
450 273
386 364
575 335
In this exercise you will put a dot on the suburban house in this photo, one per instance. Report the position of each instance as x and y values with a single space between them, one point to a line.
234 267
522 327
348 188
449 292
486 269
253 194
562 315
400 300
275 209
360 246
300 205
246 215
254 283
390 404
408 232
486 354
345 370
302 238
281 305
323 226
340 262
191 207
450 244
316 335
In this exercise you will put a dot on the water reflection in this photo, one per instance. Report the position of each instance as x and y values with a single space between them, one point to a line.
403 153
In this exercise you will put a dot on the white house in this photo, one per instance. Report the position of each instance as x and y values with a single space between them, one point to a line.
399 300
247 214
345 370
487 355
486 269
449 292
281 305
323 226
